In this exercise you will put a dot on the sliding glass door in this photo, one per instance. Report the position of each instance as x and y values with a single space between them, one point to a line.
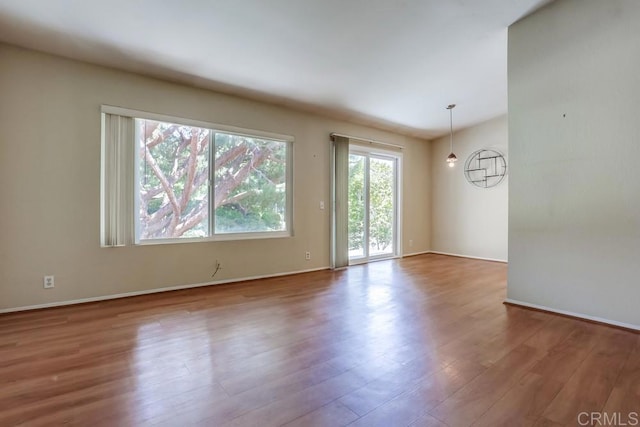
373 225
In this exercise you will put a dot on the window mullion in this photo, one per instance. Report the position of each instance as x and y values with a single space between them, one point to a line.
367 204
212 184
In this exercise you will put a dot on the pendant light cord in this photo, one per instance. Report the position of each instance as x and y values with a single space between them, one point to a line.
450 107
451 130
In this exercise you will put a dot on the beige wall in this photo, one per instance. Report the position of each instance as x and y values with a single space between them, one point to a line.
50 181
468 220
574 145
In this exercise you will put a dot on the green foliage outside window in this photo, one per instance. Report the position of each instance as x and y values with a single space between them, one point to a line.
381 204
249 179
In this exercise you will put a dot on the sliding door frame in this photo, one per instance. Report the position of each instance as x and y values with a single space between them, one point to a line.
368 153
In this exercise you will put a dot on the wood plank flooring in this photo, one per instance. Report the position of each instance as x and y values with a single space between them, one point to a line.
422 341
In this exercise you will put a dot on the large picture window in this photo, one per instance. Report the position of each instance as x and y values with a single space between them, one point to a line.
194 181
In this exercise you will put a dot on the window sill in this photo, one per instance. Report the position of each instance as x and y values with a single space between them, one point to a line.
218 238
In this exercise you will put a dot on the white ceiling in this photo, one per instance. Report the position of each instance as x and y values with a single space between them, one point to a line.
395 64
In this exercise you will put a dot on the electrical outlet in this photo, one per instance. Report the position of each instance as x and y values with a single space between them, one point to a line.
307 255
48 282
321 204
410 243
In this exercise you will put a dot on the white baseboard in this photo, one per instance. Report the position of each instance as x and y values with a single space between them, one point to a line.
469 256
572 314
153 291
415 253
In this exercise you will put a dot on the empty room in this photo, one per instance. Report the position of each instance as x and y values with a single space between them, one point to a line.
320 213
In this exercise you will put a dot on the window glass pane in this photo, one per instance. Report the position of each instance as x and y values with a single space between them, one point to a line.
357 208
173 180
381 189
250 184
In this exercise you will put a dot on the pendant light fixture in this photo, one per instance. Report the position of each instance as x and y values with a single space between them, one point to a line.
451 159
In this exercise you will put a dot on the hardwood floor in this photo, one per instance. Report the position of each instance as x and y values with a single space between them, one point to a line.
422 341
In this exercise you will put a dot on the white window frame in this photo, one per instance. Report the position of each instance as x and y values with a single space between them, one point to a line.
133 223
